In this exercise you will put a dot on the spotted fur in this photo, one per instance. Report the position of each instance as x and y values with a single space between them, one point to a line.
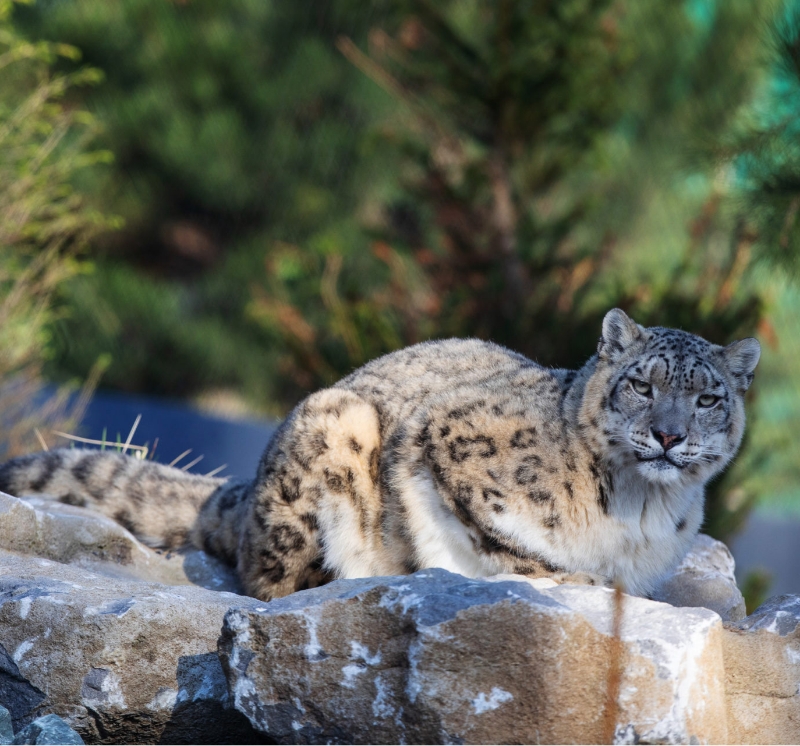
458 454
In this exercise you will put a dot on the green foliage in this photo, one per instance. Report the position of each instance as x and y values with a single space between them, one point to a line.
309 185
765 146
235 124
43 222
164 347
551 165
755 588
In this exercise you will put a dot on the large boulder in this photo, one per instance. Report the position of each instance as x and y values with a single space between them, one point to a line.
438 658
122 642
762 667
121 661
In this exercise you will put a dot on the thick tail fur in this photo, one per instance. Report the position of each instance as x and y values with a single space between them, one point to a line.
163 506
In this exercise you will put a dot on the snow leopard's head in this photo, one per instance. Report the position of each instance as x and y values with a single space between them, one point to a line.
667 402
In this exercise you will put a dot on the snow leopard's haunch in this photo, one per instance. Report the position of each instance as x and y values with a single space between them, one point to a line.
457 454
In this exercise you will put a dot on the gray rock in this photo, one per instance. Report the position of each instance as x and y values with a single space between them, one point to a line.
779 615
432 657
6 726
705 578
49 729
17 693
121 661
762 668
45 528
438 658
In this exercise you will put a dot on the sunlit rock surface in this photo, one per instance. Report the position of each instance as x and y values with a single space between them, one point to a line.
705 578
121 661
437 658
762 666
125 645
66 533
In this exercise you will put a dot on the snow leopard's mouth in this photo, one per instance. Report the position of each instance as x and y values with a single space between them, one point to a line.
659 462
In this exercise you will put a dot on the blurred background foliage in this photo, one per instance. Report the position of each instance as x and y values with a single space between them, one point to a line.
304 186
44 221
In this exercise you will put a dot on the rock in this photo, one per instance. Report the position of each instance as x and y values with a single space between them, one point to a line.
67 533
47 730
122 645
705 578
6 727
762 664
438 658
121 661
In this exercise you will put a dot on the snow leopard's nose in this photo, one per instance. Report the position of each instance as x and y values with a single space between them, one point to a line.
667 440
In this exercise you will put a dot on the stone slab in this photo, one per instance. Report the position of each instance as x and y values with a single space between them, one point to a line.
42 527
438 658
762 665
121 661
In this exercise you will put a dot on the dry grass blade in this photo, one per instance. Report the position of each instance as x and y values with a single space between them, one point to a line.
130 434
92 441
192 463
175 461
216 471
40 439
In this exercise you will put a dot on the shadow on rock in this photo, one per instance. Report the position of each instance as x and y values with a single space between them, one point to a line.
18 695
203 698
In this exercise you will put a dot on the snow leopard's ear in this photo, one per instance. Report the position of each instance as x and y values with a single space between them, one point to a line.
742 358
619 332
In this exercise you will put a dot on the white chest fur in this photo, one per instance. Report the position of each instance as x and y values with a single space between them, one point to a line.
635 544
640 539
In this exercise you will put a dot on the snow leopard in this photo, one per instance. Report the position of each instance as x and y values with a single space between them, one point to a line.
458 454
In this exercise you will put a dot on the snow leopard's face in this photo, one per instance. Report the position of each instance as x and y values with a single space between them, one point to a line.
674 402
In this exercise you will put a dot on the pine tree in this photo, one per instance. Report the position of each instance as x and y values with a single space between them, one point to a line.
237 130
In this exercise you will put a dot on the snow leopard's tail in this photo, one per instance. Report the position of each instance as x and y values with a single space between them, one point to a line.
159 504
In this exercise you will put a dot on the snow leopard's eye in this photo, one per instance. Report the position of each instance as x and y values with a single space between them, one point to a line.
641 387
707 400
